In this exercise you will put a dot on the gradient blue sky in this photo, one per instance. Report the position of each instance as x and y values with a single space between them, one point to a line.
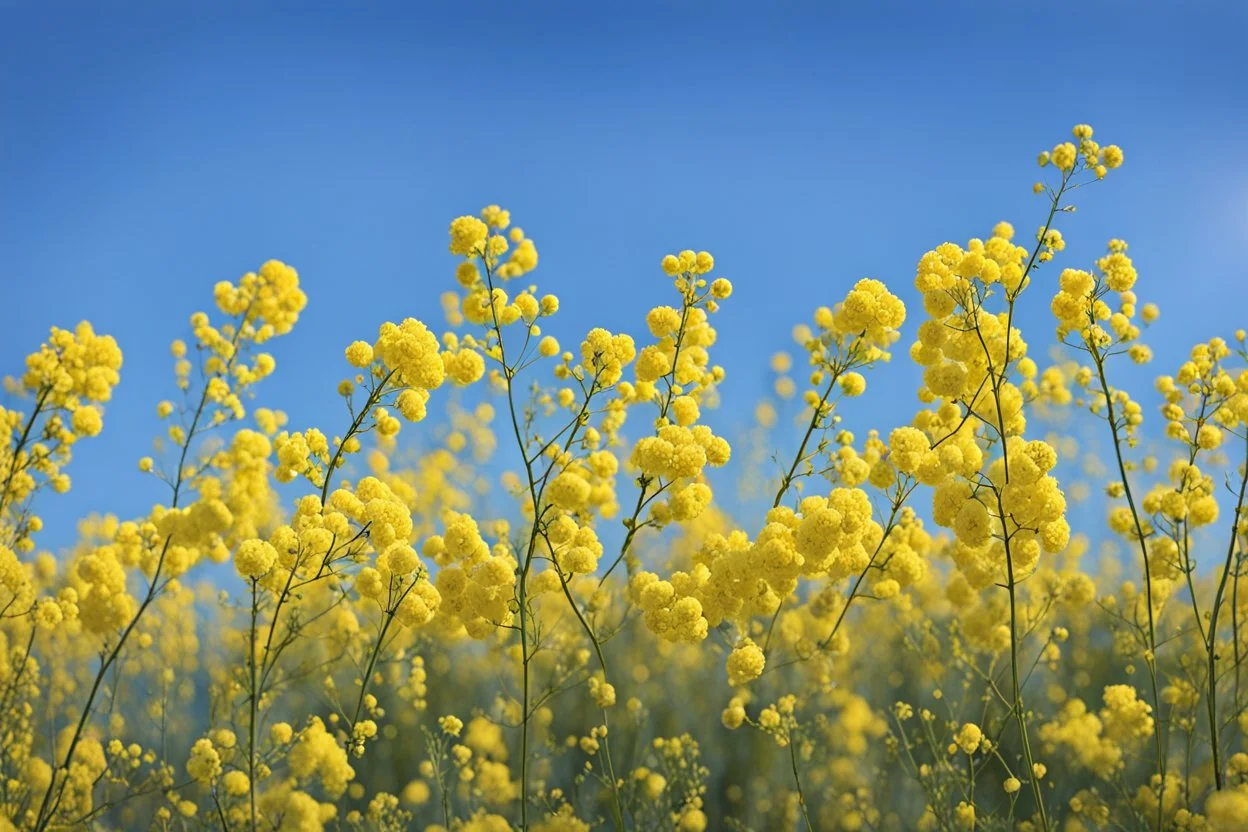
147 151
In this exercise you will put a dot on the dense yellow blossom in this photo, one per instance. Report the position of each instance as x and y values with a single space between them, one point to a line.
508 587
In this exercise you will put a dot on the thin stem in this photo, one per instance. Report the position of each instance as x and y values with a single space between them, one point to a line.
1235 627
1150 660
536 491
225 825
903 494
374 396
616 807
48 809
252 706
998 377
631 526
1211 644
372 664
21 443
797 781
48 806
521 591
815 417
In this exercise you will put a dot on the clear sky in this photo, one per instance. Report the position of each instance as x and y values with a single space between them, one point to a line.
147 151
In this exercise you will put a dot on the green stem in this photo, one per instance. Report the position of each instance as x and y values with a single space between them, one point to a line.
797 781
21 443
252 707
1211 644
48 806
1151 658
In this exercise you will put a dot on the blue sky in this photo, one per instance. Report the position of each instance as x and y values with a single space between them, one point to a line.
149 150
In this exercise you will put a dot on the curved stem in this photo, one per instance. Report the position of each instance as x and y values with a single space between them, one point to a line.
616 806
48 806
1150 660
1211 645
20 444
252 706
797 781
374 396
537 488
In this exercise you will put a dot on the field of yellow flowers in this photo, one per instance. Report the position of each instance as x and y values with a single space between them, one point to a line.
554 612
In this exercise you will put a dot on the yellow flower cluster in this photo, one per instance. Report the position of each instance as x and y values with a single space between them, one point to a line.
1066 156
1099 743
605 356
73 365
270 297
67 378
317 755
869 311
474 581
411 351
734 579
678 452
575 549
745 663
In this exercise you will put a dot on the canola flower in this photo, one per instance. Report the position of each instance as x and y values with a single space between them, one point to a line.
912 631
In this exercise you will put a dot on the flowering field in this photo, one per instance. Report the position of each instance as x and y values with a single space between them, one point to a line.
525 581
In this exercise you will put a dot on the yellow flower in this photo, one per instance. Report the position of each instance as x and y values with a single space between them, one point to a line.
468 236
